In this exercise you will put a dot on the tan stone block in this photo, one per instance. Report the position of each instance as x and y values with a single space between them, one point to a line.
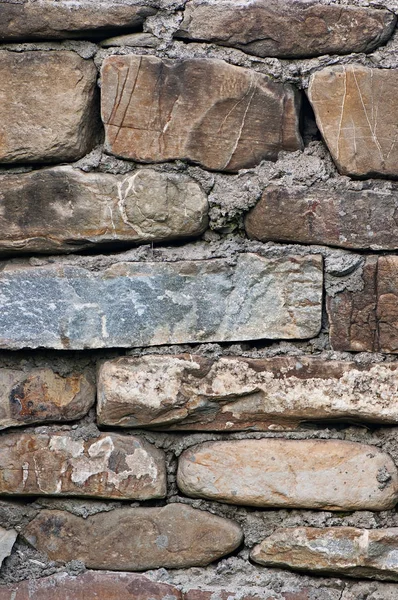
62 464
204 110
48 108
315 474
135 539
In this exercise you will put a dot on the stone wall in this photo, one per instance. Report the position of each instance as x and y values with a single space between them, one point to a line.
199 300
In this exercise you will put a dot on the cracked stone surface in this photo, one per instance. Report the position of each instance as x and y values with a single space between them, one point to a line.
356 111
106 466
157 110
75 210
189 392
286 28
150 303
41 395
175 536
7 541
285 473
344 551
47 106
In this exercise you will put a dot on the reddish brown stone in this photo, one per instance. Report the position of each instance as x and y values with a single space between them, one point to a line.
90 585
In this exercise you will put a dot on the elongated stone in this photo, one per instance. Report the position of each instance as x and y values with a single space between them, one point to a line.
47 106
175 536
204 110
7 541
356 111
60 19
253 593
101 586
347 218
74 210
189 392
286 28
41 395
285 473
151 303
344 551
61 464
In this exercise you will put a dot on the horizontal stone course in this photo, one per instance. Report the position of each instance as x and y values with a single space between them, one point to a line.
61 464
156 110
75 210
48 106
135 539
316 474
41 395
188 392
286 28
151 303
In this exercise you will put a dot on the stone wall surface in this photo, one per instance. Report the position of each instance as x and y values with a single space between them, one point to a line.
198 300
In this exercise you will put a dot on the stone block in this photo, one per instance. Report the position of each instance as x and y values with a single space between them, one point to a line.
7 541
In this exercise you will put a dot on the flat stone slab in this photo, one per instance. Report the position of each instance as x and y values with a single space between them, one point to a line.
366 320
286 28
207 111
101 586
61 19
7 541
73 210
41 395
363 219
62 464
188 392
150 303
284 474
48 108
343 551
357 113
175 536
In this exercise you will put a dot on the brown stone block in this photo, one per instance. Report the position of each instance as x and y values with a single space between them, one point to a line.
135 539
48 108
61 464
204 110
356 110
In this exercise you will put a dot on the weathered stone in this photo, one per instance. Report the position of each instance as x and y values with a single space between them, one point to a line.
7 541
367 320
41 395
62 464
356 110
74 210
157 110
346 218
151 303
47 106
286 28
101 586
344 551
135 539
136 40
59 19
371 590
189 392
257 593
320 474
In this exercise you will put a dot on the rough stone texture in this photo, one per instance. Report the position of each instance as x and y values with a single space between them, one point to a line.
367 320
47 106
101 586
7 540
246 594
286 28
347 218
151 303
74 210
356 110
41 395
157 110
61 464
189 392
345 551
59 19
135 539
320 474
